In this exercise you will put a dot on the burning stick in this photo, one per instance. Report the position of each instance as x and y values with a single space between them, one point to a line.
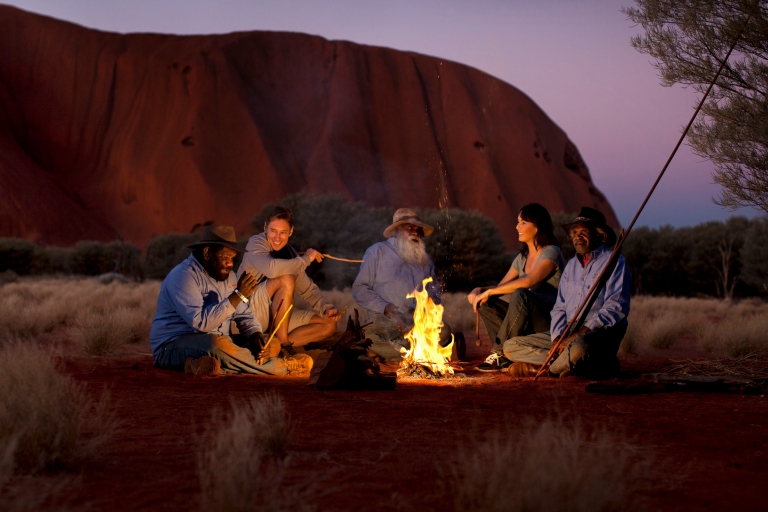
274 331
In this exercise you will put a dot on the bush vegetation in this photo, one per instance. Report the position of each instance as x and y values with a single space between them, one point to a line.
102 316
720 259
548 466
466 247
47 420
730 328
241 464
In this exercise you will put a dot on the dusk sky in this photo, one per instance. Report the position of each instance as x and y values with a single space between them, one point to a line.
572 58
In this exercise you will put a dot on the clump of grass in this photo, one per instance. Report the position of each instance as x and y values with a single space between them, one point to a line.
42 305
237 463
550 466
737 337
734 328
48 417
103 333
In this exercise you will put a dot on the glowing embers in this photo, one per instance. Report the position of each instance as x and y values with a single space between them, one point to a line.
426 358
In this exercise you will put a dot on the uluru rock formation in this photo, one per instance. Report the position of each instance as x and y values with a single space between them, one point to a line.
106 135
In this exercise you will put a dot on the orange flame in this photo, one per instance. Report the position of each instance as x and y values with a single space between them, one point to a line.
425 336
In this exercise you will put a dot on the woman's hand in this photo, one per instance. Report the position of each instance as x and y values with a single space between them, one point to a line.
473 295
480 299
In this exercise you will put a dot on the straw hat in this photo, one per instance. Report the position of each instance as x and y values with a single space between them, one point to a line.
406 216
594 218
219 235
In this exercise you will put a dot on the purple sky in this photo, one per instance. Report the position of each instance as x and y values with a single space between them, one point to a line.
572 58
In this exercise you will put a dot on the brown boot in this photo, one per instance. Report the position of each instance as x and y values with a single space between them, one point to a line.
520 370
202 366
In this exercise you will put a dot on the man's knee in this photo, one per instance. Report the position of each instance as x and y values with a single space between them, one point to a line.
285 283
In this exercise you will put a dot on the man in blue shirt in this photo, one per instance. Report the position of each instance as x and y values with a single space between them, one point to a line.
198 301
592 349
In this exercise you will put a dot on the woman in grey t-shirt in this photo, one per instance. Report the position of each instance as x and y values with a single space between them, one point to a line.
532 280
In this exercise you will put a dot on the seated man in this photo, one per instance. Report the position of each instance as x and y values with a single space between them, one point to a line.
391 270
281 272
198 301
591 351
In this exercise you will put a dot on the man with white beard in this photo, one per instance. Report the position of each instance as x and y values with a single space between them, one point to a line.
391 270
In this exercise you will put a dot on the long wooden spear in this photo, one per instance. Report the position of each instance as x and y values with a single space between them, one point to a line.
581 314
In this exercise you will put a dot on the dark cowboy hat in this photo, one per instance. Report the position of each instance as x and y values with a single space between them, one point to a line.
406 216
218 235
593 218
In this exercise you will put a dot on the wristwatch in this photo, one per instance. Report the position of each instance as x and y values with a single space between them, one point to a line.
242 297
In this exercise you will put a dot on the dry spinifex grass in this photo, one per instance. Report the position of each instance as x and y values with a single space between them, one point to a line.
240 459
47 419
103 316
733 328
549 466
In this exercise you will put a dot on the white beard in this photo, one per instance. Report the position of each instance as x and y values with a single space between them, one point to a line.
411 249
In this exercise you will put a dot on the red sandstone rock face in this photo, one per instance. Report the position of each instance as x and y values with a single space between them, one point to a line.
105 135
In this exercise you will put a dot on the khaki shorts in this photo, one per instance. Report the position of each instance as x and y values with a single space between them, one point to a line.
261 305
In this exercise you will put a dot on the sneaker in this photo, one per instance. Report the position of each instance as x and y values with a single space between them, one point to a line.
493 363
202 366
300 363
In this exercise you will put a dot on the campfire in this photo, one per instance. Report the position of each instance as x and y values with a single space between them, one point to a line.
426 358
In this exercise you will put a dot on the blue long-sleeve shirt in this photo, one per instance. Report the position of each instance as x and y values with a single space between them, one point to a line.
384 278
612 304
192 302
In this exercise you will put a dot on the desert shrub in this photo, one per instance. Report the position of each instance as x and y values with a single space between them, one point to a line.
90 258
234 465
103 332
51 418
466 247
22 257
165 252
733 328
42 305
550 466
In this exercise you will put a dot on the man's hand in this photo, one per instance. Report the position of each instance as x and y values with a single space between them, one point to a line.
583 330
393 313
258 339
313 255
247 284
334 314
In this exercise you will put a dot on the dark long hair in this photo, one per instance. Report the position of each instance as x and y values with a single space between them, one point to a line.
539 216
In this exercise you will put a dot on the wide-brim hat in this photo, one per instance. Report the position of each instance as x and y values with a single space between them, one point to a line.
218 235
406 216
595 219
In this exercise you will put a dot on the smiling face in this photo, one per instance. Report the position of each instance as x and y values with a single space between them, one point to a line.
583 238
218 261
278 232
526 231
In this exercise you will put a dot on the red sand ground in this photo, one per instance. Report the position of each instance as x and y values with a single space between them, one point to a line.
384 447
